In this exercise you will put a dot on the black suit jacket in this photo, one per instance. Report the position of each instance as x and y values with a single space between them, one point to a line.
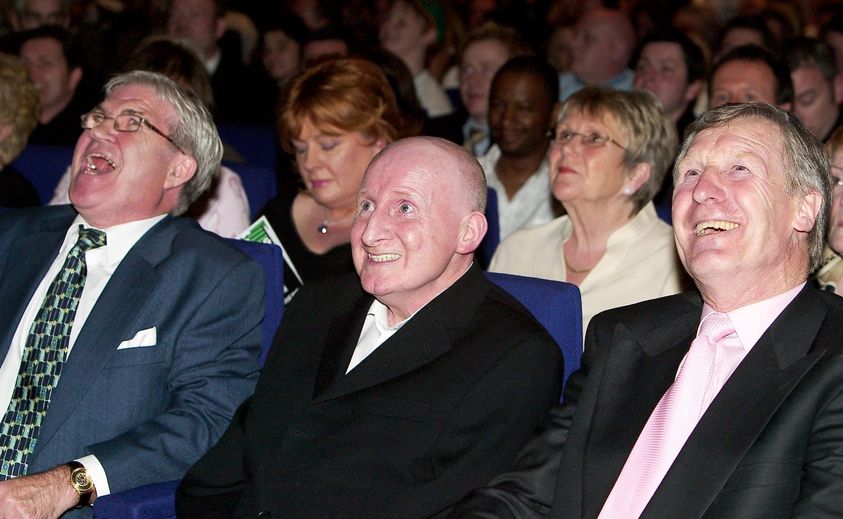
770 445
436 410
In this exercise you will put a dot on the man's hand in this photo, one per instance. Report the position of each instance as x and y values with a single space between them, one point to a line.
45 495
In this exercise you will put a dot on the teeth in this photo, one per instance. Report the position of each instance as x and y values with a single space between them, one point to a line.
91 166
712 226
382 258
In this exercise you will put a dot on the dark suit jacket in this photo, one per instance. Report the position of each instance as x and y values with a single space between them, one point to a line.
147 413
769 446
437 409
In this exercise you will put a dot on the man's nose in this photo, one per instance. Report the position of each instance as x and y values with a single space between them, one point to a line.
709 187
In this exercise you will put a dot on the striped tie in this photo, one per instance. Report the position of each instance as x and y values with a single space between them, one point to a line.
43 358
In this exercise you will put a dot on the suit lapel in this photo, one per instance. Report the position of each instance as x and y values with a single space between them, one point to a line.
112 320
429 334
742 409
639 369
340 343
31 255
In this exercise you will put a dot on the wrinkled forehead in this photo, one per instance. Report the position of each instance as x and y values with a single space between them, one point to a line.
418 166
138 98
744 136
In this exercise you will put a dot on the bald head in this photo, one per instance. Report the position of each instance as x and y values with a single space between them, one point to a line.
419 220
603 43
449 159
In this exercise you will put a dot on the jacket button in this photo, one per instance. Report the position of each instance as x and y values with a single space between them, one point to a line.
264 515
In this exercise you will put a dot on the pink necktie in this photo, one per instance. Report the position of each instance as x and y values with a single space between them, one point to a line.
672 421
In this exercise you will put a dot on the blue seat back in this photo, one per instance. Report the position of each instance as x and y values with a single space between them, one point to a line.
554 304
43 166
257 144
260 184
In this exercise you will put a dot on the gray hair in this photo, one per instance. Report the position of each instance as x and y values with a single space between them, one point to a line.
193 131
650 135
806 165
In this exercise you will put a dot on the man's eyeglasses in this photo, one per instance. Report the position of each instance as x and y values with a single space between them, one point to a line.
125 122
590 140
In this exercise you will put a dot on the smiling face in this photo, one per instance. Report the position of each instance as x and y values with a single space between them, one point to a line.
737 228
412 234
742 81
813 101
520 112
332 163
480 61
119 177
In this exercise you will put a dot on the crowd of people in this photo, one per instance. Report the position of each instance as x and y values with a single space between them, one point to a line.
680 163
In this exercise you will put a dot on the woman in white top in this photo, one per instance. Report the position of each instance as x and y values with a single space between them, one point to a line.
609 154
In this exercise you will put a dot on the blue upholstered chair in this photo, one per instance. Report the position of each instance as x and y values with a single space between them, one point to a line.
260 184
43 166
257 144
157 501
556 305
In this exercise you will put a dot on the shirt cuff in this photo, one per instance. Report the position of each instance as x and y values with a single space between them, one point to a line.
97 473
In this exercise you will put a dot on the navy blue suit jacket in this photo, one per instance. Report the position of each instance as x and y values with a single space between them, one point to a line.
147 413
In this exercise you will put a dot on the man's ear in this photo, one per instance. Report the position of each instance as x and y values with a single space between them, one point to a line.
74 78
806 214
693 90
837 88
472 230
182 169
429 37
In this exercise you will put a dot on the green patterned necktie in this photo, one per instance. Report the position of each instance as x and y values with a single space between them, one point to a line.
43 357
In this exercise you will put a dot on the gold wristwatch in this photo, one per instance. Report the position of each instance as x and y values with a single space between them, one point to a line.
81 482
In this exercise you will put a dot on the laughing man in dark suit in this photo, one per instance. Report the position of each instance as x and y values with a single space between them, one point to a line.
390 394
764 439
161 339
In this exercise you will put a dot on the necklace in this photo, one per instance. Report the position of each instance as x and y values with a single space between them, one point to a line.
576 271
323 227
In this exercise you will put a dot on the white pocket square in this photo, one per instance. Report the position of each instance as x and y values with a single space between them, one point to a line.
142 339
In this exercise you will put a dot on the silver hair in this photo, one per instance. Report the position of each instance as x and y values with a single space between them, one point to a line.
806 165
193 130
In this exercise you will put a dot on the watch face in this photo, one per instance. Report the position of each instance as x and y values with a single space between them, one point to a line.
81 481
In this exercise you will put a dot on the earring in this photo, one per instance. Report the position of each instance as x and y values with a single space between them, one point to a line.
627 191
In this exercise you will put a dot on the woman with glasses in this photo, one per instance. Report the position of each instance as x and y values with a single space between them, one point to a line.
830 274
336 116
609 154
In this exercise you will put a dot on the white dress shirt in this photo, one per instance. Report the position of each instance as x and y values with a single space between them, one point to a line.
532 204
101 264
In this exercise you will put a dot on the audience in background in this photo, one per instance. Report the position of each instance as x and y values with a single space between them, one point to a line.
410 28
521 113
671 67
52 62
30 14
486 50
829 274
603 43
750 73
18 117
745 30
201 22
610 152
817 88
